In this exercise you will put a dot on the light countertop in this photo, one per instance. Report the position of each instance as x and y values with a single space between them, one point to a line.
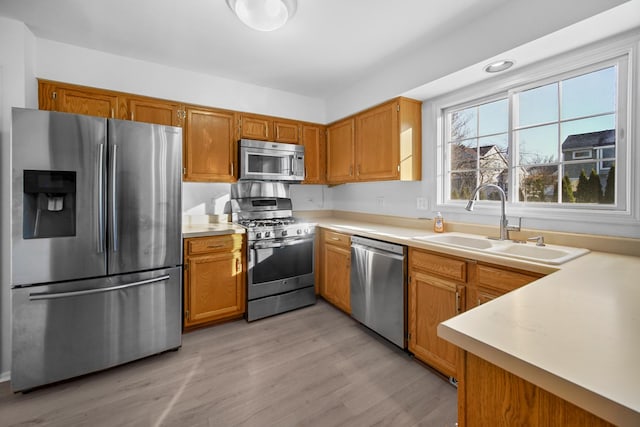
574 333
210 229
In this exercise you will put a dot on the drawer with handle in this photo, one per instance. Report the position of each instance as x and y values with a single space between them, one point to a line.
339 239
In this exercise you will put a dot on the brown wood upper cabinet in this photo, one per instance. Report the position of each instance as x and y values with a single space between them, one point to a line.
266 128
386 144
313 139
209 152
286 131
340 152
155 111
256 127
77 99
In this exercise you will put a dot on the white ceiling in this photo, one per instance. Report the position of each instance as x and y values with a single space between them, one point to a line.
328 47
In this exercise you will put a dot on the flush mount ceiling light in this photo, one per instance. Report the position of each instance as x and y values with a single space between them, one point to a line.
263 15
498 66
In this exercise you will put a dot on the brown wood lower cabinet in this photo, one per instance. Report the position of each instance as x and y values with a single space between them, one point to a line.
487 282
490 396
442 286
436 293
214 279
335 269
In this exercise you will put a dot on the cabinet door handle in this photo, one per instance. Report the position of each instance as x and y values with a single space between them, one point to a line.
335 238
215 246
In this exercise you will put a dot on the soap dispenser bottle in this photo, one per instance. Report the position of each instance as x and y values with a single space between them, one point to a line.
438 223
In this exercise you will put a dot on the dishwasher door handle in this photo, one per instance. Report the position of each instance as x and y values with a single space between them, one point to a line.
377 251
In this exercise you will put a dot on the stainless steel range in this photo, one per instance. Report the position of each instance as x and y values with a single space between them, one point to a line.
280 249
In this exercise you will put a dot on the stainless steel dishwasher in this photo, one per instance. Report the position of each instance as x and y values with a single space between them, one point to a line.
378 287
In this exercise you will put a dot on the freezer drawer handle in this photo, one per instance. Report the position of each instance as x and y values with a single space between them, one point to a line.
35 297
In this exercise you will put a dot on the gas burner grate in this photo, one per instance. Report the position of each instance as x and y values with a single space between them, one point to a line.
274 222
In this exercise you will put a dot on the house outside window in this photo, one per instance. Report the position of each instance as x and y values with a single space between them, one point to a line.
549 143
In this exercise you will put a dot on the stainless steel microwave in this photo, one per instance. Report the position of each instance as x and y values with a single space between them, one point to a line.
271 161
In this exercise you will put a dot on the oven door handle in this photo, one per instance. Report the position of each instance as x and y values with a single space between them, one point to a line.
280 244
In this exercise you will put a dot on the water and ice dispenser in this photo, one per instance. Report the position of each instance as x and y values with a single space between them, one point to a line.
49 208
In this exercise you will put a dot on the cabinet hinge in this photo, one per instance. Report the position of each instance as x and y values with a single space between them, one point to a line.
184 171
54 95
186 266
409 336
397 107
398 167
457 302
186 314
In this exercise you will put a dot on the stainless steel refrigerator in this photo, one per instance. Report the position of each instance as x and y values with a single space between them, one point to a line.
96 244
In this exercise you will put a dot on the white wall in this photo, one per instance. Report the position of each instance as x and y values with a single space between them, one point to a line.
17 89
72 64
200 198
509 26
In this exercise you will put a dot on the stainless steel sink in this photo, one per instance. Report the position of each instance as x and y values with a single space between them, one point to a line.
549 254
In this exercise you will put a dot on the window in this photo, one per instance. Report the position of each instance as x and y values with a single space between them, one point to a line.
478 145
582 154
550 143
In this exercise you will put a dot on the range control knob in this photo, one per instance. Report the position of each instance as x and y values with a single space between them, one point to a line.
258 235
284 233
299 231
267 234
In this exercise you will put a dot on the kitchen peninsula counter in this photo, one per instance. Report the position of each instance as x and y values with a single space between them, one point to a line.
573 332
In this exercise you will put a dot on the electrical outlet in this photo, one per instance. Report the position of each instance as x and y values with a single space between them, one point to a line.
422 203
380 201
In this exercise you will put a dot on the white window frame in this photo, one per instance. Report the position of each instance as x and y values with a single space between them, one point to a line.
627 210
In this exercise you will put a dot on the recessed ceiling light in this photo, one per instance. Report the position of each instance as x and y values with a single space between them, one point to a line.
498 66
263 15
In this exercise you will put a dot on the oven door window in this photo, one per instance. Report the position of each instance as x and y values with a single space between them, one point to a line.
280 263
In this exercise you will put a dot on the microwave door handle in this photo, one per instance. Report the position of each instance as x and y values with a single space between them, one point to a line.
292 165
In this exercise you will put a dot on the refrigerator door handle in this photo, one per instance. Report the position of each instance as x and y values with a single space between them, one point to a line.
114 199
44 296
101 212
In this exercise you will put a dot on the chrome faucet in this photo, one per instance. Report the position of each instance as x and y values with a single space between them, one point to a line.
504 222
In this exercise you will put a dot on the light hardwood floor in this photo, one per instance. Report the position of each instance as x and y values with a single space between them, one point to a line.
310 367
